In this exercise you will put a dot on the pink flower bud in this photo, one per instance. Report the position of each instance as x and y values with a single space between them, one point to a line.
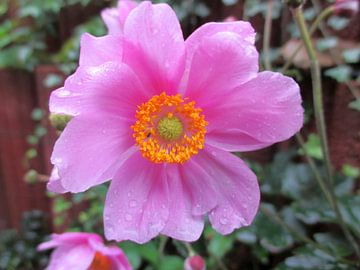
195 263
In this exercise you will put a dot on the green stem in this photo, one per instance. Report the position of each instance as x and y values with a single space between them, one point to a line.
333 53
323 15
189 248
163 241
267 35
320 121
314 169
276 218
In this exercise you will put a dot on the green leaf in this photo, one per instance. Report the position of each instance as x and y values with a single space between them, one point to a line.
272 236
37 114
338 23
219 245
229 2
297 182
355 104
171 262
340 73
350 171
52 80
352 56
334 243
313 147
31 153
246 236
350 209
326 43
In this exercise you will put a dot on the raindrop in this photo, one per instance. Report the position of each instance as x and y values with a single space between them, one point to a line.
64 93
223 221
132 203
128 217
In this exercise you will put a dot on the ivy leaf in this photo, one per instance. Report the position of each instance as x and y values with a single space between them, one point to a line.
313 147
355 104
352 56
338 23
340 73
334 243
229 2
219 245
324 44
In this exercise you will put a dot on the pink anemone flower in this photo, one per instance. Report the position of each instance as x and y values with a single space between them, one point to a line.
159 116
352 5
83 251
114 18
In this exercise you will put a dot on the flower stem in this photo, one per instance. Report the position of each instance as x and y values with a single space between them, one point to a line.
323 15
314 169
320 121
267 35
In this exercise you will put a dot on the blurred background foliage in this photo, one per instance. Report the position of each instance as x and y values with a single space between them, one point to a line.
295 229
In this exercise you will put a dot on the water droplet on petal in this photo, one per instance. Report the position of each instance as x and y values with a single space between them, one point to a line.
132 203
128 217
223 221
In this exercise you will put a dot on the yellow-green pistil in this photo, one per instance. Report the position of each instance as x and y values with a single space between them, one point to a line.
170 128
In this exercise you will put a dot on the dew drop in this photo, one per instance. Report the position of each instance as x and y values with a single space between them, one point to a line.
223 221
128 217
132 203
64 93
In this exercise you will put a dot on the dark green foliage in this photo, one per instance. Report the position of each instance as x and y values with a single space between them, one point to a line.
18 249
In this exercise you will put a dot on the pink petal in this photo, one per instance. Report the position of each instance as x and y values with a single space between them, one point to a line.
71 258
241 28
154 46
110 88
54 184
119 260
69 238
95 51
182 224
137 203
203 194
91 149
238 191
115 18
261 112
221 62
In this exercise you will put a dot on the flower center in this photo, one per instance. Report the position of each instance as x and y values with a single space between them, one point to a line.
168 129
100 262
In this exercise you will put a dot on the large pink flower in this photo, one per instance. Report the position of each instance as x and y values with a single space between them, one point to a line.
159 115
83 251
